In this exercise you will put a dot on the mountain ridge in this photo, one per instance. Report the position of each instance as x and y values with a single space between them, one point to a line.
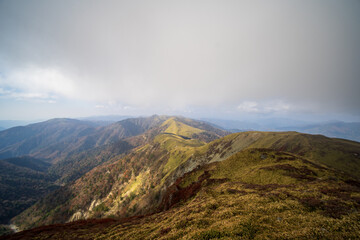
178 165
255 193
167 149
333 129
123 191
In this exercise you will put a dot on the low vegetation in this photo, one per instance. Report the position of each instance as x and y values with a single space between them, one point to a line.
176 183
248 196
125 185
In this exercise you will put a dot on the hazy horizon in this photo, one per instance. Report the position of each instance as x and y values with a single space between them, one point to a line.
265 120
239 60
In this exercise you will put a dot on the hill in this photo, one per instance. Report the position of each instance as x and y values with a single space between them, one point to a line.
336 129
340 154
139 183
55 139
23 181
253 194
70 149
126 185
74 147
38 139
118 139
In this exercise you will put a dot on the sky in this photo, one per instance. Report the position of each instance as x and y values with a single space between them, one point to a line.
197 58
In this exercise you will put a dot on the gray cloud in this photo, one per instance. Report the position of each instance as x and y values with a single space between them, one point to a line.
257 56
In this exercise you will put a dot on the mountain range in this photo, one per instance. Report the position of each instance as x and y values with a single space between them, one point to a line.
335 129
164 177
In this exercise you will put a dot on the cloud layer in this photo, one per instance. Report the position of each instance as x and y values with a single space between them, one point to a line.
257 56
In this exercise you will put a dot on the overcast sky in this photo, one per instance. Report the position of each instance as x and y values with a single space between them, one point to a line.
223 59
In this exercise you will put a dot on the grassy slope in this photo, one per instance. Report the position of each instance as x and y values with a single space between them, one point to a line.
340 154
119 187
179 128
178 142
254 194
